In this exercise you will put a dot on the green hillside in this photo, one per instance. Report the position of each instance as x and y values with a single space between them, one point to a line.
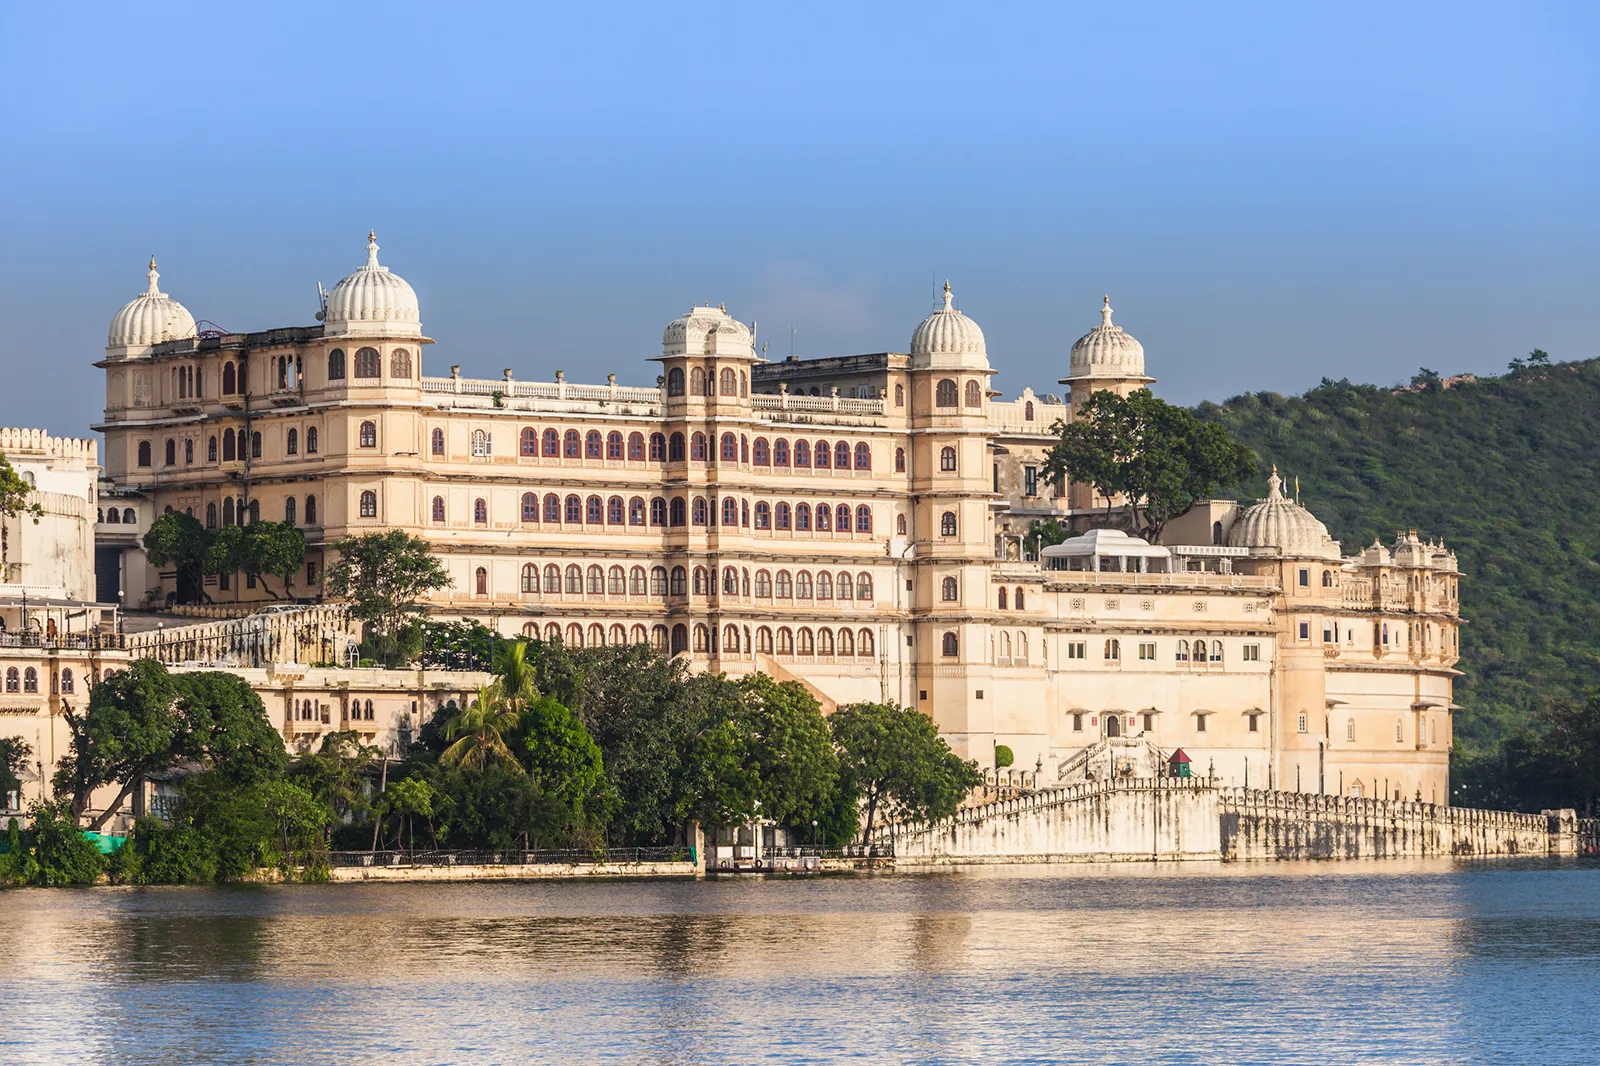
1506 470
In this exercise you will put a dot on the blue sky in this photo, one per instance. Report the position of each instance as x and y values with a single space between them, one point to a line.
1270 193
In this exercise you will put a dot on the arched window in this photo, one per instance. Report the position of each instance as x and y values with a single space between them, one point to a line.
863 456
1020 603
947 524
552 444
900 525
658 581
1327 579
763 584
824 585
702 640
552 507
763 515
841 456
1349 729
574 514
730 382
596 582
764 640
1216 651
572 445
762 453
701 511
438 508
614 511
824 518
311 440
785 642
400 364
172 452
480 511
288 510
847 642
821 455
824 642
658 511
802 453
730 448
730 581
947 460
780 452
574 580
863 586
1216 532
594 511
951 645
1027 411
780 516
864 642
658 637
679 514
636 447
946 395
1182 652
802 516
899 395
592 446
702 581
552 578
675 448
369 504
367 363
841 518
530 578
1199 647
680 581
228 379
311 510
785 585
675 381
697 447
636 581
949 590
528 441
1003 598
291 443
697 381
369 434
636 511
806 645
530 507
211 515
730 511
658 447
144 453
974 394
255 445
227 511
228 450
13 679
211 450
802 585
335 369
30 680
482 444
66 681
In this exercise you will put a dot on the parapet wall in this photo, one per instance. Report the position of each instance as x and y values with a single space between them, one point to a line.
1257 824
17 442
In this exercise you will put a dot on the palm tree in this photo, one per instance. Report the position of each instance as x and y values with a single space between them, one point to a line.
515 683
477 734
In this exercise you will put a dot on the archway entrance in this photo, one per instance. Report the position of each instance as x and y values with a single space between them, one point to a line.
1113 725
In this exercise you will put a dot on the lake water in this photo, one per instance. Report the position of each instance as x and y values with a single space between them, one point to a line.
1433 962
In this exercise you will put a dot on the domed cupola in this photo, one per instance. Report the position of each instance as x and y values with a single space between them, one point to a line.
150 318
707 331
1279 525
948 339
372 302
1106 352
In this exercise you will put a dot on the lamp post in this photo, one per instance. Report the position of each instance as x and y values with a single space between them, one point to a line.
813 832
161 641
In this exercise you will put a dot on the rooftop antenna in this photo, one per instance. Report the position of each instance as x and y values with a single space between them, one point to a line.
755 331
791 340
322 302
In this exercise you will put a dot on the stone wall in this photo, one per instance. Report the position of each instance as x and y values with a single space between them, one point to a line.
1141 819
1257 824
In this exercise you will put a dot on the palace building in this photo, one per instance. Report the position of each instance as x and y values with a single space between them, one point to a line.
857 523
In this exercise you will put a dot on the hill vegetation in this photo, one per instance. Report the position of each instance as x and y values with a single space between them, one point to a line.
1507 471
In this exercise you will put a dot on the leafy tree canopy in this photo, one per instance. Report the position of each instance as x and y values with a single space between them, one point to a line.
896 762
385 576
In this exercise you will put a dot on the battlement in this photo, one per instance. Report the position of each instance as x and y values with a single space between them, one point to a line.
17 442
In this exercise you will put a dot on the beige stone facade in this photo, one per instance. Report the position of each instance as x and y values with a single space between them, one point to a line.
850 522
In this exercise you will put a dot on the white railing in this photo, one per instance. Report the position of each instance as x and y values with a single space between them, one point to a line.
541 390
1182 579
845 405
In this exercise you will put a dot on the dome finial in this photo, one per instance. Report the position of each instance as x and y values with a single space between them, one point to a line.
154 277
1105 313
947 296
372 247
1274 485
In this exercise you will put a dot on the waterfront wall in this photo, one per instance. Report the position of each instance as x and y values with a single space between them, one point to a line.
1258 824
1126 820
542 871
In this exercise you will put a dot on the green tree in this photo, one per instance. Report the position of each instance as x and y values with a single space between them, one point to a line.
62 855
895 761
14 755
1160 458
14 493
223 725
469 645
561 756
276 549
405 801
336 773
1003 756
791 750
478 734
179 540
384 576
130 729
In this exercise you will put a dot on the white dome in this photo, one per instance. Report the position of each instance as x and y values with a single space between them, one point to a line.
1106 352
948 338
707 331
150 318
373 302
1278 524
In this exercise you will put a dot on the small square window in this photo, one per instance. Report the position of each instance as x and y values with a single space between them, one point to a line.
1305 630
980 693
922 694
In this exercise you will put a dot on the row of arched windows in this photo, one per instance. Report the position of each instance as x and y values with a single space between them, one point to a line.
705 382
659 447
595 580
236 445
1017 599
948 394
368 364
1197 651
1003 648
112 516
596 510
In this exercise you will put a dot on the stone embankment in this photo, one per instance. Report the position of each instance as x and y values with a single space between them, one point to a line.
1166 819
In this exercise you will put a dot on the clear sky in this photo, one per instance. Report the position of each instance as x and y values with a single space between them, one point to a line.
1270 193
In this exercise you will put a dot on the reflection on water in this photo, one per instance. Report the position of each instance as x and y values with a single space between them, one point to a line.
1427 962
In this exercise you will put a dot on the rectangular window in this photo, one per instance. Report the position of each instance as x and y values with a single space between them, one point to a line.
922 694
1305 630
1255 723
1327 634
1149 722
1077 649
1147 651
1077 723
1252 653
1030 481
1305 578
1302 723
1199 723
